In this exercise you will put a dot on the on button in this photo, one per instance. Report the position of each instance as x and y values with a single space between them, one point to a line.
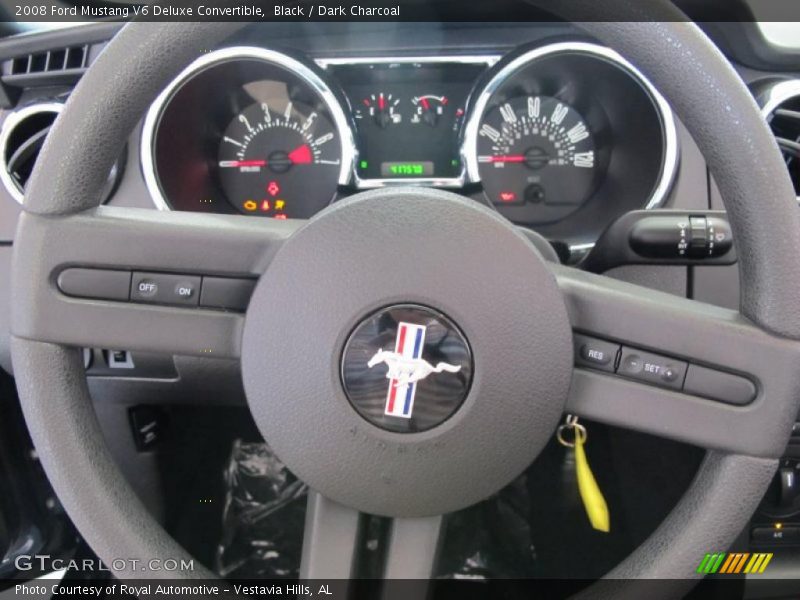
185 289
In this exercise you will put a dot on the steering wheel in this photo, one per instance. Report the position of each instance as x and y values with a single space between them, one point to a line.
391 248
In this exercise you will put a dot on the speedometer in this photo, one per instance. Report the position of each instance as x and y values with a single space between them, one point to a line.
538 150
567 137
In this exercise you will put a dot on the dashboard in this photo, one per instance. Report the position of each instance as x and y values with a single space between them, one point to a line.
564 134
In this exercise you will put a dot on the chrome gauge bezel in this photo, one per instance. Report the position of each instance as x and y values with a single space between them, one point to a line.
669 166
296 67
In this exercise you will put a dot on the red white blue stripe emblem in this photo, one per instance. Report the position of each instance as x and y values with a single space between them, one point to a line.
409 344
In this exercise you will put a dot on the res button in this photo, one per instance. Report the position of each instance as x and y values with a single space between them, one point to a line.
594 353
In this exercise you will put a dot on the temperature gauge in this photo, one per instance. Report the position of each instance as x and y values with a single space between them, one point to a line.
428 109
380 108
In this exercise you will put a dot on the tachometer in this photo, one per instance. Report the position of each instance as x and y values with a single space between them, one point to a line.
538 150
278 160
249 131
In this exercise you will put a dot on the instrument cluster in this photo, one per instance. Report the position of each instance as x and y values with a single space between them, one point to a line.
563 137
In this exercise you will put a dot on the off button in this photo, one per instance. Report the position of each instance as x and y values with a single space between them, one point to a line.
146 288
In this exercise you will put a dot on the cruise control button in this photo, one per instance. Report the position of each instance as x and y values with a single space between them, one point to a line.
670 374
631 364
652 368
165 288
594 353
146 288
185 289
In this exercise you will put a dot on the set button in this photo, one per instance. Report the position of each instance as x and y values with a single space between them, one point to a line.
652 368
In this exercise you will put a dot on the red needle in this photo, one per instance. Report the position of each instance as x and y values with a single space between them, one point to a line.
425 104
242 163
381 102
301 155
513 158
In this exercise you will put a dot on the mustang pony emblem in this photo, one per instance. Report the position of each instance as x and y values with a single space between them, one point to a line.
405 367
403 371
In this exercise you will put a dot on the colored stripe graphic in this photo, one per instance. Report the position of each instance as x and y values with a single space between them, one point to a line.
734 563
710 563
409 344
398 347
726 566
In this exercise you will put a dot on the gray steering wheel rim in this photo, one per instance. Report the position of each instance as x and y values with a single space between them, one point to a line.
142 59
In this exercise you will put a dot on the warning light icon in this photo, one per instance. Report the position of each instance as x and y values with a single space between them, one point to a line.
273 188
280 204
508 197
264 205
250 205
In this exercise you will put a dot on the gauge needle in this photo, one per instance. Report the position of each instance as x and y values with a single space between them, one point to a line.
242 163
511 158
299 156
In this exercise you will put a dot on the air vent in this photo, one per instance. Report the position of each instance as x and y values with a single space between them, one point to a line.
52 61
21 138
782 111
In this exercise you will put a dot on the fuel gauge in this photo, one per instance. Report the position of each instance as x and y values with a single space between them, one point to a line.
381 108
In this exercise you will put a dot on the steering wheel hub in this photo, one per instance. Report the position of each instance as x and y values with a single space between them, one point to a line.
423 355
360 379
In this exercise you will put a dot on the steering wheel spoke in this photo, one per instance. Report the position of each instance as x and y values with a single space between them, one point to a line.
330 545
705 336
124 243
413 548
329 540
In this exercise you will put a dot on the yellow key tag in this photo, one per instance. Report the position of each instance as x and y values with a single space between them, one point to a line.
593 501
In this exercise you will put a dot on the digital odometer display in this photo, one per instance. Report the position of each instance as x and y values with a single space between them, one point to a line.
407 169
408 117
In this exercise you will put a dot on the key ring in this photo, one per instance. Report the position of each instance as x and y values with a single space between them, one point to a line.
572 423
